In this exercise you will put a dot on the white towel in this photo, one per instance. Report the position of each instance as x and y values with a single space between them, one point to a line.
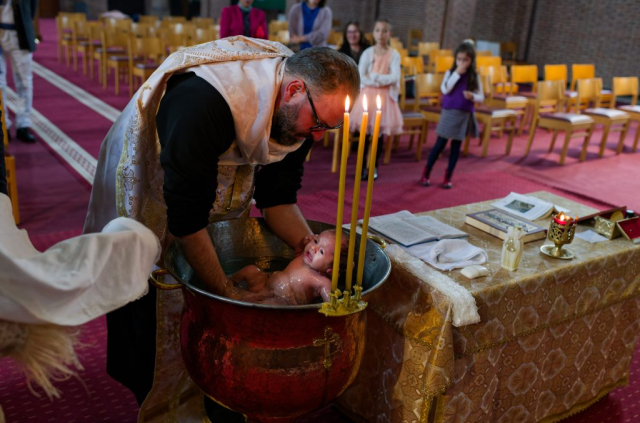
449 254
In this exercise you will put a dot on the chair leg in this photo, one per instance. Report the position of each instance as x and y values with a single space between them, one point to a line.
75 58
68 55
486 134
325 140
465 147
91 66
84 63
623 134
605 135
116 72
583 154
308 158
635 141
512 131
565 147
532 131
553 140
387 149
336 152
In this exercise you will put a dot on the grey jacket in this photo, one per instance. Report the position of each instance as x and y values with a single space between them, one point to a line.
321 26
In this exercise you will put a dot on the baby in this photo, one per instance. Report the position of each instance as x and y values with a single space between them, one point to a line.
305 279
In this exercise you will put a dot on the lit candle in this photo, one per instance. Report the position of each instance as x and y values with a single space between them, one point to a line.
560 219
367 202
356 195
343 176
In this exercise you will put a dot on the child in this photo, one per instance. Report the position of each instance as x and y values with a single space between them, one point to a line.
304 280
461 88
379 75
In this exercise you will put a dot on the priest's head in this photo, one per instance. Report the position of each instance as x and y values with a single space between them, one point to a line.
312 95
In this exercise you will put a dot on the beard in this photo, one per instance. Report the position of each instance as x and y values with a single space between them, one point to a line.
283 125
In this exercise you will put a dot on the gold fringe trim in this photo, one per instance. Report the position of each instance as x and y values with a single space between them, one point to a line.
48 355
583 406
383 315
545 326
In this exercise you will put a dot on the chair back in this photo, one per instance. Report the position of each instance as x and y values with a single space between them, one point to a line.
148 19
550 96
525 74
581 72
113 38
625 86
284 36
425 48
555 73
403 52
509 51
369 37
202 22
335 38
488 61
487 85
484 53
142 30
275 26
427 85
588 93
412 65
395 43
415 36
174 19
443 63
204 35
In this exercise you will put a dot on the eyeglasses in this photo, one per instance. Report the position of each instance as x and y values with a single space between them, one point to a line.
319 126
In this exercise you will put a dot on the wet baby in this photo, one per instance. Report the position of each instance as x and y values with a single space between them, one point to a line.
305 280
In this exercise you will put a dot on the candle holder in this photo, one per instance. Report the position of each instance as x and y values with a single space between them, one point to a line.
346 305
560 232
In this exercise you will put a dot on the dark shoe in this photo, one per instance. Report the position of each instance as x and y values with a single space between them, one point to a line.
447 185
425 182
25 135
365 174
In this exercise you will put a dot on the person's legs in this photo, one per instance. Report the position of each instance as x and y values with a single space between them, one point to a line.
3 76
441 142
365 173
453 159
21 64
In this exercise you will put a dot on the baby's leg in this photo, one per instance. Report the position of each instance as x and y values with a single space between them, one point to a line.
255 278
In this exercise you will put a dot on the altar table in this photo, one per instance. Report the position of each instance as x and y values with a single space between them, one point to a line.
554 337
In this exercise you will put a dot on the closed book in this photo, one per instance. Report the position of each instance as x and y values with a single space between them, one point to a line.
496 222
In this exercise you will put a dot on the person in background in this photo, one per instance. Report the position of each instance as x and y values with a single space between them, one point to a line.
243 19
461 88
379 75
353 41
18 42
310 23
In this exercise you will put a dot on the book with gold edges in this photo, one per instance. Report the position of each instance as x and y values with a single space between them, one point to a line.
496 222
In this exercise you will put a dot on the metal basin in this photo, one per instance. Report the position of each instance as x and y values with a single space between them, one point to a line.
271 363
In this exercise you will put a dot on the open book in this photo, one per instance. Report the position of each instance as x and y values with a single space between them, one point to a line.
527 207
407 229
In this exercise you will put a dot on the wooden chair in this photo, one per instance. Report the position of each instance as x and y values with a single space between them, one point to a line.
628 86
499 77
115 56
488 61
85 36
484 53
585 71
432 57
425 48
396 44
414 124
337 142
148 19
95 43
334 39
546 114
369 37
204 23
64 27
443 64
612 120
174 19
525 74
555 73
414 38
10 167
509 52
144 57
204 35
493 119
427 90
412 65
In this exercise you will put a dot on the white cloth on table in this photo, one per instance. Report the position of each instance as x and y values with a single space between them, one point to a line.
449 254
75 280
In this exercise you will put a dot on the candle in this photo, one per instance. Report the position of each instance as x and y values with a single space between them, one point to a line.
367 202
343 175
356 195
560 219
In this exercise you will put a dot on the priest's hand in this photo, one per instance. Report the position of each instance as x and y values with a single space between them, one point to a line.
303 243
240 294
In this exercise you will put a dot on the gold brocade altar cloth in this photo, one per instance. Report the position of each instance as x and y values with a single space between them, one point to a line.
555 336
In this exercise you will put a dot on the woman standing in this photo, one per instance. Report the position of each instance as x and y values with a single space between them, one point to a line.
243 19
310 23
353 41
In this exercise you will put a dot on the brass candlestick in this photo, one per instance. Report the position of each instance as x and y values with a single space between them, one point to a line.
561 232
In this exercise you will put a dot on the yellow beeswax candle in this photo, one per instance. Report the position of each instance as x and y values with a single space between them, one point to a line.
343 175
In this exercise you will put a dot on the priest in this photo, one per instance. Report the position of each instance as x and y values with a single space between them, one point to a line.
215 127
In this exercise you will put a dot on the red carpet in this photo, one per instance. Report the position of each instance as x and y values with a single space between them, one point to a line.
54 197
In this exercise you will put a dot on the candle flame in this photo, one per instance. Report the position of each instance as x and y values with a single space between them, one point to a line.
378 102
561 217
364 102
347 103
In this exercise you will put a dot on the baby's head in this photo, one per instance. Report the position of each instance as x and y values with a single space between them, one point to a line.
318 253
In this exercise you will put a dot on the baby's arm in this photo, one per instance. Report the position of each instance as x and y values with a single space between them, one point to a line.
253 276
323 288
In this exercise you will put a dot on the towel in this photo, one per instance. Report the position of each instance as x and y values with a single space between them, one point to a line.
449 254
